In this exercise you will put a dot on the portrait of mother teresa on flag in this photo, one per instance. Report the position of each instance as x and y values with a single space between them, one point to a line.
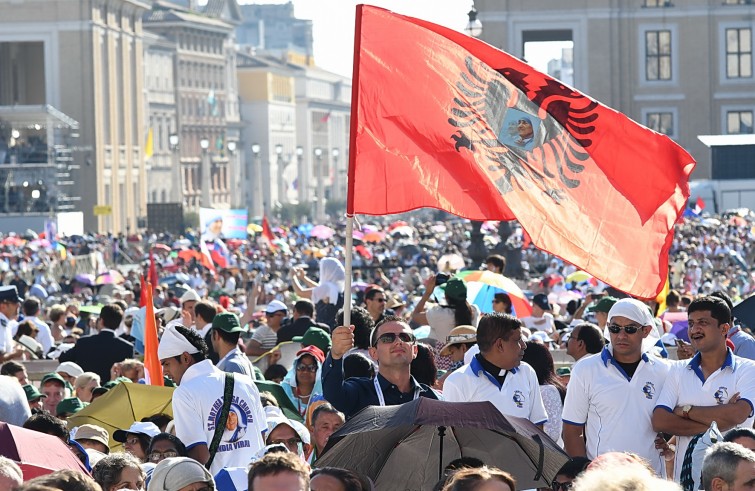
520 130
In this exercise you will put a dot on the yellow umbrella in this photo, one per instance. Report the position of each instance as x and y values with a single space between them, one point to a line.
122 405
253 228
578 277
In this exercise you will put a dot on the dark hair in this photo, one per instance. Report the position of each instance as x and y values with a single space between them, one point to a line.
305 307
723 296
275 371
122 304
496 260
386 319
372 291
275 463
590 334
25 328
327 408
673 298
573 467
423 366
717 307
462 311
351 480
357 365
505 298
111 315
11 368
195 340
47 423
206 310
180 447
363 325
67 479
161 420
493 326
31 307
540 359
108 470
736 433
231 338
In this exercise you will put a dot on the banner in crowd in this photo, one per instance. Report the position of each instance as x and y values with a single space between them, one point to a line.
443 120
222 224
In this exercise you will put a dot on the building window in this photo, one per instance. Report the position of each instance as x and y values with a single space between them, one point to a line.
662 122
737 2
657 3
658 55
739 53
738 122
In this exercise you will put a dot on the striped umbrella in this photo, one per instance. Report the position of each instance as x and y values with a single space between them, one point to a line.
483 285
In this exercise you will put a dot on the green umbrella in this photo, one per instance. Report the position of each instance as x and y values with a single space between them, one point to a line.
288 408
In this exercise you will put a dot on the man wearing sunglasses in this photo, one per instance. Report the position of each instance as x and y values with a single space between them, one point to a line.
393 347
497 374
612 395
715 385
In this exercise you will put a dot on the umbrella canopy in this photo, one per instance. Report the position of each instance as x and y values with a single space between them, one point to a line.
36 453
109 278
404 230
427 434
453 262
253 228
373 237
322 232
122 405
161 247
578 277
85 279
483 285
173 279
745 311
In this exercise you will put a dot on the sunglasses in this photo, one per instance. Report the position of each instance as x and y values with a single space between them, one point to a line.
291 442
630 329
390 338
158 456
306 368
381 300
561 486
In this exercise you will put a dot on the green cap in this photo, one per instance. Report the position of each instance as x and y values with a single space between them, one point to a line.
32 394
456 289
314 336
563 371
119 380
228 322
53 376
72 405
604 304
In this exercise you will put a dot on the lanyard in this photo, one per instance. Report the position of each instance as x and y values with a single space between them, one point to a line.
381 399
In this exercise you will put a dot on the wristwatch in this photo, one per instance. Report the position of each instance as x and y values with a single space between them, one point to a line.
685 411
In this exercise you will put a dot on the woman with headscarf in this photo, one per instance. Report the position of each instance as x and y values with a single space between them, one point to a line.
327 294
302 383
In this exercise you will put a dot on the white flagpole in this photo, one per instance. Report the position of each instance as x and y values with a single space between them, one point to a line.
347 267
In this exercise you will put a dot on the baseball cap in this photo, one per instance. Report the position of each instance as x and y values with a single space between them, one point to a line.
604 304
140 428
92 432
541 300
312 350
190 295
52 376
119 380
70 368
275 306
456 289
72 405
459 335
32 393
228 322
314 336
274 421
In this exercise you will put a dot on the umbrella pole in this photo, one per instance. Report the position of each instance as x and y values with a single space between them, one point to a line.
441 434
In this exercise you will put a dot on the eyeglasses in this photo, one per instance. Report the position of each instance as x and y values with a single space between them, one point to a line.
561 486
390 337
381 300
132 441
291 442
158 456
630 329
306 368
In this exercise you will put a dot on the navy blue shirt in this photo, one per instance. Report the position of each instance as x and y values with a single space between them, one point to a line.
352 395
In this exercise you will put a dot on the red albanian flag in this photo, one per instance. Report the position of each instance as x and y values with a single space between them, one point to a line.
446 121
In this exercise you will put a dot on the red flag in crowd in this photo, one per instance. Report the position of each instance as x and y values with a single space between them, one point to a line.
143 292
152 277
443 120
206 257
153 370
267 234
699 205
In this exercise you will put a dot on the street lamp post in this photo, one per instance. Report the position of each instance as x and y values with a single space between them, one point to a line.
336 187
300 175
177 188
320 204
279 164
231 166
257 177
204 174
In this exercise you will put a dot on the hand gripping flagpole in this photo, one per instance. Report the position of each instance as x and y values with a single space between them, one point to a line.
347 267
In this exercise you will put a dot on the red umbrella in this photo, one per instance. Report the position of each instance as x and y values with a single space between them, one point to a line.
36 453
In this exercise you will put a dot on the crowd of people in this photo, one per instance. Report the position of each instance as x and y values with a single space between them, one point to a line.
638 394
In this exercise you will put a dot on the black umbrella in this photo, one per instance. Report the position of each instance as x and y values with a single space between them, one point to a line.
744 311
407 447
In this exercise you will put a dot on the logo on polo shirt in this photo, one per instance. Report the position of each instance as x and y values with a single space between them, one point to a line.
721 395
518 398
649 390
239 419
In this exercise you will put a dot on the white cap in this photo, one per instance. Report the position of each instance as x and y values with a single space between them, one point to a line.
190 295
300 429
70 368
138 427
275 306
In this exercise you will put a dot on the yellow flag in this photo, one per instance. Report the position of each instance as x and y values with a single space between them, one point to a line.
149 146
661 298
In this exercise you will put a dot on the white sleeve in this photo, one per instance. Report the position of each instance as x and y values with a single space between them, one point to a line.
669 397
746 383
189 423
577 399
452 391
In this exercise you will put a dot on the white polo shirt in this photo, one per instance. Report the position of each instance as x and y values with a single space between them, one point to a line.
616 410
518 396
197 404
686 384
